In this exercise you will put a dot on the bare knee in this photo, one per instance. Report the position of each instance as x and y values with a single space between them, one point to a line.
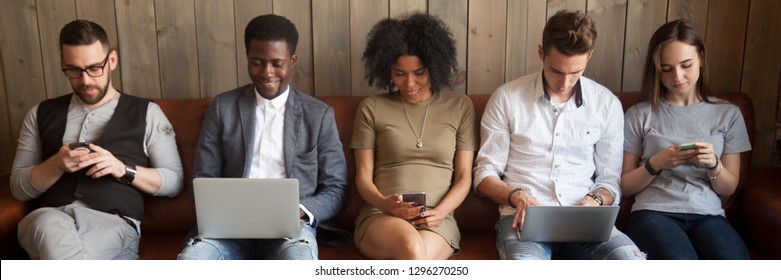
412 247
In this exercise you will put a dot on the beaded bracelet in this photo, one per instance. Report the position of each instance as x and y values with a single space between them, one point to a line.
510 196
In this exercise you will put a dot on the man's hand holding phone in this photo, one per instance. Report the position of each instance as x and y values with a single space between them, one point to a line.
80 146
70 156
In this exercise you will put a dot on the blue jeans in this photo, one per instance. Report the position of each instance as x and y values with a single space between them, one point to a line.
618 247
303 247
677 236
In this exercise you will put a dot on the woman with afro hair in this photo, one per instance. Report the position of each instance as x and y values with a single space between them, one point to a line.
412 139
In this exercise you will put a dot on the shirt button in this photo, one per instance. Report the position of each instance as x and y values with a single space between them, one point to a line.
557 134
556 166
555 110
559 194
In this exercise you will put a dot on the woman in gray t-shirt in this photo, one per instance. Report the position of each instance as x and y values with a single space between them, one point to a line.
681 154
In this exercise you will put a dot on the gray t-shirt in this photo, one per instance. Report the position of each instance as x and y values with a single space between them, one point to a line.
686 188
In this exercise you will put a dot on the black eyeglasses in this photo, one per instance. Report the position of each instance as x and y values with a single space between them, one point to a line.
92 71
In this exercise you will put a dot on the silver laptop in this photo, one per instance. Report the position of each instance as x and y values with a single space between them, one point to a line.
246 207
568 223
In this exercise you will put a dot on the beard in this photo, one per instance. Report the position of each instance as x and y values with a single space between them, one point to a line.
86 98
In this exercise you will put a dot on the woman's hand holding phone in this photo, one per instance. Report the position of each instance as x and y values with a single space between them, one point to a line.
395 206
705 155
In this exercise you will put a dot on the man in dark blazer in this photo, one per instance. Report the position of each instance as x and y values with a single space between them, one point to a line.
267 129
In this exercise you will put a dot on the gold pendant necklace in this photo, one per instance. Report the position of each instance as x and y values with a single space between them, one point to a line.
419 143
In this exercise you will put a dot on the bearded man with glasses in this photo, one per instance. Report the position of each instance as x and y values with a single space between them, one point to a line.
89 156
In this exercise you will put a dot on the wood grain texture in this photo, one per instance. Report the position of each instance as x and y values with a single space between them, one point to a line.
401 7
695 11
52 16
244 11
22 63
571 5
517 36
216 46
454 14
331 47
536 24
726 37
642 19
138 44
300 13
607 59
102 13
762 75
177 48
487 33
525 22
363 15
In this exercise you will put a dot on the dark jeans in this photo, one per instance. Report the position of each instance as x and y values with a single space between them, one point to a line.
677 236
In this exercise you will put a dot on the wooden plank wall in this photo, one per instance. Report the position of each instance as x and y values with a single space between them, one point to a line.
195 48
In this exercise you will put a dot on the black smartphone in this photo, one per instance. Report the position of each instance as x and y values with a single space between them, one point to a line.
418 199
80 145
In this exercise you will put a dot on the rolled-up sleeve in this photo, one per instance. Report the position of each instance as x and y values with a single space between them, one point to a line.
608 154
161 147
495 141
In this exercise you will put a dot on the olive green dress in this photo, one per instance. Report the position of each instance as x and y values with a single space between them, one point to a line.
399 165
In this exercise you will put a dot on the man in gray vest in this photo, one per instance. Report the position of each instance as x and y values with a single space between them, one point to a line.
89 156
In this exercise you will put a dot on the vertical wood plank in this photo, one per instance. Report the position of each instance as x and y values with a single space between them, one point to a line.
525 22
571 5
102 13
726 36
535 24
761 75
244 11
7 144
331 47
300 13
400 7
695 11
177 48
52 16
517 36
607 59
363 15
454 14
642 19
138 44
214 27
21 57
487 32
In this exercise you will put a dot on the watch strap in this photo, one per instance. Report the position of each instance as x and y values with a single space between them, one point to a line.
130 173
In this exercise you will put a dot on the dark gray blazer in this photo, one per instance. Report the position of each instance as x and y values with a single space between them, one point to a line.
313 153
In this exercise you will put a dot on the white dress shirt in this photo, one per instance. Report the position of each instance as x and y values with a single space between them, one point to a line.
557 155
268 157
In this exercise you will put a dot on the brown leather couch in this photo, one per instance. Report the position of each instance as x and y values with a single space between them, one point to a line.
755 210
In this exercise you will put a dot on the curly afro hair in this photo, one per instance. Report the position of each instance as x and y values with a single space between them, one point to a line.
418 34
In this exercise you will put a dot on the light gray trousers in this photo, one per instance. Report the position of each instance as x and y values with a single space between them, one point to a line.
76 231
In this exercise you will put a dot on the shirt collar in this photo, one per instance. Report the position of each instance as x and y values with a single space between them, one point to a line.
277 102
578 91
